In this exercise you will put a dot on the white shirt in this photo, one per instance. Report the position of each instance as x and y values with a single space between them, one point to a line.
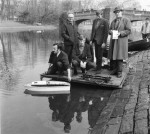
145 29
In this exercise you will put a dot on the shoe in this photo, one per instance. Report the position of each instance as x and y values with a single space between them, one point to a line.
96 69
54 116
67 128
83 71
75 72
119 75
45 73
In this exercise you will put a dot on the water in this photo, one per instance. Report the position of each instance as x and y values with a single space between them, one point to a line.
23 57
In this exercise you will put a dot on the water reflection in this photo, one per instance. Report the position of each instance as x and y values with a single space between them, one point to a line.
80 102
23 57
21 50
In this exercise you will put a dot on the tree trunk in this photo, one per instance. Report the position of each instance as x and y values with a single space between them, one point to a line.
2 9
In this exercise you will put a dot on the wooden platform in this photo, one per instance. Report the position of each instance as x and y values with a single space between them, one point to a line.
94 78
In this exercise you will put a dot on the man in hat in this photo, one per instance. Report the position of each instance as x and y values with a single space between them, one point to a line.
120 28
145 29
99 36
70 34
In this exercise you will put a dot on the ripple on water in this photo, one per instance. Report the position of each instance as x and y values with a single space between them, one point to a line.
5 93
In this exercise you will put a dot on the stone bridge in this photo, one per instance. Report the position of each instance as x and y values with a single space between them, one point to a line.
133 15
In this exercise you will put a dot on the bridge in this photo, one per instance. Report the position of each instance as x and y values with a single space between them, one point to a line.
133 15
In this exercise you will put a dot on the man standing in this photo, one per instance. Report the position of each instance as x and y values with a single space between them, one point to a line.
120 28
70 34
58 61
99 36
145 29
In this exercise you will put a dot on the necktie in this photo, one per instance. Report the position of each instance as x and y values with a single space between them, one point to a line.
117 23
97 23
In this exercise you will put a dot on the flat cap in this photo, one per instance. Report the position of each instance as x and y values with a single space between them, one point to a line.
118 9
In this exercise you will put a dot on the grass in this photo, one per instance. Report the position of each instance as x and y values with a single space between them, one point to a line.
12 26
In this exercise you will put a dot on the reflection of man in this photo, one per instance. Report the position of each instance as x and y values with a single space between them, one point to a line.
118 49
145 29
99 36
58 61
96 105
70 35
81 57
60 104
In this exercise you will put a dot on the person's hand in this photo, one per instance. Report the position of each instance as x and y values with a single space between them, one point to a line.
81 64
91 43
69 74
118 34
111 32
69 78
84 64
103 45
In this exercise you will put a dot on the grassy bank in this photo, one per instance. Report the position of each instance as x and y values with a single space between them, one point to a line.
12 26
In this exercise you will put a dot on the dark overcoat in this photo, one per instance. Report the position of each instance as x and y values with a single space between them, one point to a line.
100 30
118 48
69 33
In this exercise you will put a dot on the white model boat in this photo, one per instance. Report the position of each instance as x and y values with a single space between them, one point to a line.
47 87
50 83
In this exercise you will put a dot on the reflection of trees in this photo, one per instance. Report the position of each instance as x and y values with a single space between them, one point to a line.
79 101
4 53
8 75
50 35
35 42
25 37
23 49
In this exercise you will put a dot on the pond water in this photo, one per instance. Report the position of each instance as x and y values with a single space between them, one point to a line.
23 57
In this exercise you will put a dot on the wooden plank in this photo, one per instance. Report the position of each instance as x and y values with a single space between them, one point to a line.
99 81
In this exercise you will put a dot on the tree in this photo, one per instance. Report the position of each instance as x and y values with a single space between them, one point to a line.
107 3
128 4
2 9
67 5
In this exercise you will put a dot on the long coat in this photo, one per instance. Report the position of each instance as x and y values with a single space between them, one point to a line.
100 30
118 49
70 34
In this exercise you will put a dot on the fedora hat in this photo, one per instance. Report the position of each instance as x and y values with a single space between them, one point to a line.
117 9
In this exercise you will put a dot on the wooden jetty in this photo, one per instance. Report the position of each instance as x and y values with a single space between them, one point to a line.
103 78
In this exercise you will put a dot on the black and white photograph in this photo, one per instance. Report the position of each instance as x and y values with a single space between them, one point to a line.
74 66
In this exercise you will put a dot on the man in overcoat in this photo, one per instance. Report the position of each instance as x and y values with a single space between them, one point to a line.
70 34
118 49
99 34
